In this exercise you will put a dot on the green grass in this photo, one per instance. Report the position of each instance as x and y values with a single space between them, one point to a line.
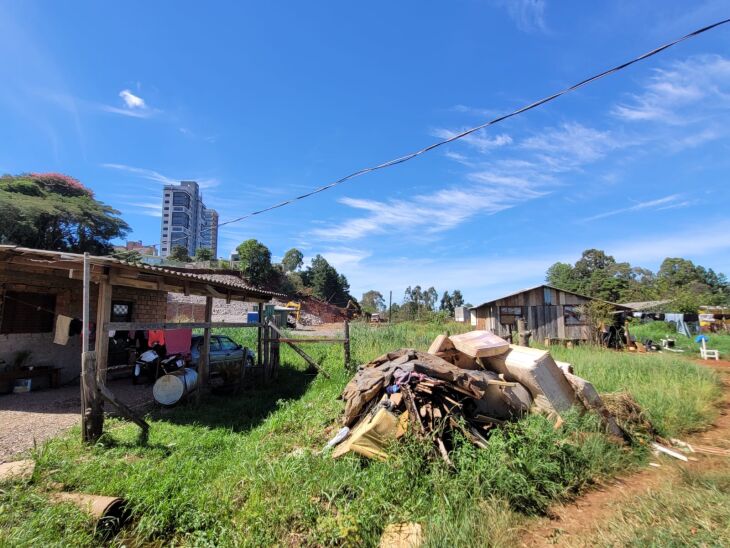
693 510
677 395
247 471
661 330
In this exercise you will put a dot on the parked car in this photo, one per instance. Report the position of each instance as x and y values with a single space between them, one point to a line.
223 351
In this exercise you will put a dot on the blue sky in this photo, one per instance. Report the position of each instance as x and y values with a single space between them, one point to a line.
260 101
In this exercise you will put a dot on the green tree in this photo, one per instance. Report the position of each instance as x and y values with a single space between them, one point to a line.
293 260
55 211
326 283
179 253
457 299
255 261
203 254
446 304
372 301
561 275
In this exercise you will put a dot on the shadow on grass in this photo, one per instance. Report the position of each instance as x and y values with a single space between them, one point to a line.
243 411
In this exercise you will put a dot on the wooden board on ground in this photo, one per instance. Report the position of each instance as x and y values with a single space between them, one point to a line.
480 344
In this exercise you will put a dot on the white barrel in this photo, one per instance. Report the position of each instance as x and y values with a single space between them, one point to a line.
170 389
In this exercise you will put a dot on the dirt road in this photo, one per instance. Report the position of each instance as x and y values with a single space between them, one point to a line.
569 523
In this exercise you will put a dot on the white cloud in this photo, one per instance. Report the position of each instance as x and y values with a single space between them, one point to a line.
148 209
529 15
131 100
480 140
571 145
153 175
667 202
428 214
682 93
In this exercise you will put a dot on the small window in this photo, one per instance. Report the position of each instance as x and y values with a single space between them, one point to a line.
508 314
121 311
28 312
228 344
548 295
572 315
181 199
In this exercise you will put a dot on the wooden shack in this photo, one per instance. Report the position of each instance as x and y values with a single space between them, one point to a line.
548 312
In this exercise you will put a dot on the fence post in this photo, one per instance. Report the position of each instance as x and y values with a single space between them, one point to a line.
346 344
274 351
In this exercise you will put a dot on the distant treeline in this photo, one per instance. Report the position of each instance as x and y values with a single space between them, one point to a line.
599 275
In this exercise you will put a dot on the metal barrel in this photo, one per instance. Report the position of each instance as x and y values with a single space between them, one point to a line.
171 388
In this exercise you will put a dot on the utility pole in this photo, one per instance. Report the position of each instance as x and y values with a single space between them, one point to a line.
390 307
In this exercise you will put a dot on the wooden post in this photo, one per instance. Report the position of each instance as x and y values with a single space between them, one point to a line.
103 315
390 307
346 345
92 419
523 334
92 412
266 362
203 369
259 345
274 352
303 354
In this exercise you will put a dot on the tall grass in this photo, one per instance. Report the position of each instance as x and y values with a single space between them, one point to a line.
678 396
247 470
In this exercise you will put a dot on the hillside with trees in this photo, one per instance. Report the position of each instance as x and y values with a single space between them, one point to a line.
599 275
54 211
319 279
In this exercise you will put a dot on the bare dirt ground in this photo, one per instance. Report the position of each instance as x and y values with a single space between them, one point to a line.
569 523
30 419
322 330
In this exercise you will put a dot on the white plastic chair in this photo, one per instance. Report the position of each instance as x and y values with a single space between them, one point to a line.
706 354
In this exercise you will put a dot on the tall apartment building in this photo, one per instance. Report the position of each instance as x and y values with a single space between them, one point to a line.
186 221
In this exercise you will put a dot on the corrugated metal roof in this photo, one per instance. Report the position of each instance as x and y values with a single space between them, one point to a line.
551 287
646 305
224 281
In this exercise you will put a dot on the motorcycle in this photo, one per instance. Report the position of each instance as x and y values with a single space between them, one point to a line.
154 363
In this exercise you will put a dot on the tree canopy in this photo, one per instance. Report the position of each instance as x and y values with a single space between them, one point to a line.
179 253
599 275
293 260
204 254
372 301
57 212
255 260
326 283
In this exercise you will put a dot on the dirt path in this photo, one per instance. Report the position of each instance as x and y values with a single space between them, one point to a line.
569 523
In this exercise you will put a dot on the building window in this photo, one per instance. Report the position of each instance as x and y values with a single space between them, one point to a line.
121 311
508 315
181 219
181 199
548 295
28 312
572 313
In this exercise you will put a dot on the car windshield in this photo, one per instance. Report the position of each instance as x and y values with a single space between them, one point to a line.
228 344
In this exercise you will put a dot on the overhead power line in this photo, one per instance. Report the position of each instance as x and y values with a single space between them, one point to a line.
474 129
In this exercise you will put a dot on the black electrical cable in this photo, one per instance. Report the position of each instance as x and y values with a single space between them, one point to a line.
467 132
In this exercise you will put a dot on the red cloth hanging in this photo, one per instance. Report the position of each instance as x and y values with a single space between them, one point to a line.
155 336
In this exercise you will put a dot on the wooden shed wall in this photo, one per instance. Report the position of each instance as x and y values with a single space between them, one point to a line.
543 309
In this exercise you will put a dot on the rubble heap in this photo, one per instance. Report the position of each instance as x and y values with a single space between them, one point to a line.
467 384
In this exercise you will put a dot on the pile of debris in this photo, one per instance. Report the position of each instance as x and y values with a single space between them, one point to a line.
465 385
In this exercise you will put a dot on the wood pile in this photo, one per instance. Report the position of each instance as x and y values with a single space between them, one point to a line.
464 387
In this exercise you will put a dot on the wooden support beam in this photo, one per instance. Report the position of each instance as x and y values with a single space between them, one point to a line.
134 326
92 416
123 409
302 353
346 345
265 359
103 315
259 342
203 365
305 340
274 346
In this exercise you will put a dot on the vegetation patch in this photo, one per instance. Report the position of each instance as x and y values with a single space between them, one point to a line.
248 471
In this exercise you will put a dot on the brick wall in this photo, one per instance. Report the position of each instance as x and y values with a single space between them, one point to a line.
148 306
